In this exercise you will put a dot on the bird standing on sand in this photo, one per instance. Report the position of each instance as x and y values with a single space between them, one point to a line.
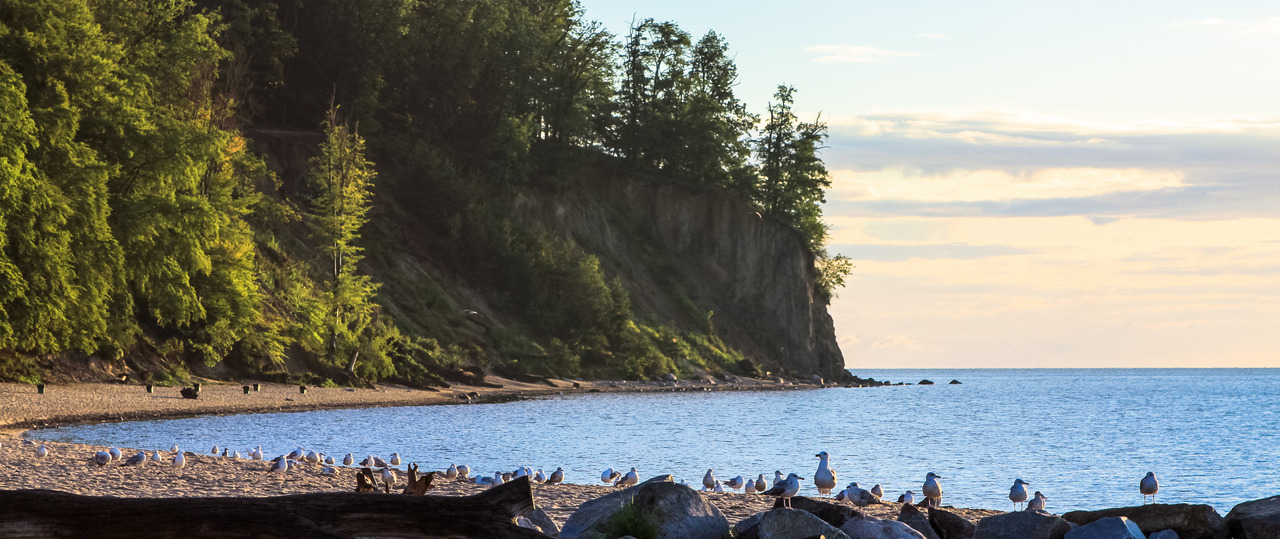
102 458
214 452
539 477
778 478
556 476
719 487
1149 486
877 491
42 451
786 489
760 485
395 459
464 471
609 475
155 455
136 460
709 480
451 473
1018 493
750 487
378 462
312 457
256 454
348 460
174 449
825 477
735 483
932 489
631 478
179 460
388 477
114 452
281 465
1037 503
367 462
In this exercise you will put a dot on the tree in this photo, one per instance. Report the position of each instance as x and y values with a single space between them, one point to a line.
714 125
792 176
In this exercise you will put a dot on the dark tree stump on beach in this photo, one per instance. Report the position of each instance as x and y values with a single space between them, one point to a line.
418 486
48 513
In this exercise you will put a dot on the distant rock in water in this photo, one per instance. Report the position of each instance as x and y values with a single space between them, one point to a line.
954 383
925 383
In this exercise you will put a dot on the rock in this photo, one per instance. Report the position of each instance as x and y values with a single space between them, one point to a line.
1257 518
1164 534
954 383
925 383
668 377
833 514
1021 525
950 525
1107 528
681 511
740 530
874 528
795 524
1189 521
543 521
918 522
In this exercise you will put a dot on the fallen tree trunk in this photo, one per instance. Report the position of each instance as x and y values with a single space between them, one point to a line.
48 513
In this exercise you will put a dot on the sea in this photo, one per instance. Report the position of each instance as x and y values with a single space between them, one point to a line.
1083 437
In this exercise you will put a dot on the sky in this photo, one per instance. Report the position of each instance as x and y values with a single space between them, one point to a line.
1032 184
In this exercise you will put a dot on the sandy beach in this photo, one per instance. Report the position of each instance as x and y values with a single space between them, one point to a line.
70 467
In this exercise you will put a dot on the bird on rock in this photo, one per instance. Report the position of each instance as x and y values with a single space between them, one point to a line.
609 475
630 479
136 460
1037 503
709 480
735 483
932 489
1018 493
786 489
825 477
1149 486
556 477
102 458
859 496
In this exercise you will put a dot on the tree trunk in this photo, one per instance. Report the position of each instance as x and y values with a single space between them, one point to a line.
48 513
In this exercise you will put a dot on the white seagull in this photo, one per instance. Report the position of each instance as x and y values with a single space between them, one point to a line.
750 487
556 476
539 477
709 480
214 452
908 498
631 478
155 455
174 449
877 491
760 484
395 459
786 489
735 483
719 487
778 478
348 460
179 460
932 489
1037 503
42 451
452 472
825 477
281 465
256 454
136 460
312 457
609 475
327 470
114 452
464 471
388 477
1018 493
102 458
1149 486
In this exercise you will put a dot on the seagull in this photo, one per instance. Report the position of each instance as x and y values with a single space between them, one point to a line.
379 463
327 470
226 453
519 473
281 465
556 476
296 454
908 498
348 460
709 480
609 476
735 483
155 455
825 477
42 451
498 478
388 476
235 455
1149 486
1037 503
214 452
256 454
719 487
630 479
786 489
395 459
330 461
932 489
877 491
174 449
136 460
859 496
464 471
451 473
777 478
102 458
539 477
367 461
179 460
312 457
115 453
1018 494
760 485
751 487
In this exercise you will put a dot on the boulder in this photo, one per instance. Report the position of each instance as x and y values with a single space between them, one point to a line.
1189 521
795 524
1258 518
874 528
950 525
746 528
668 377
543 521
1164 534
1021 525
918 522
925 383
833 514
1107 528
680 510
954 382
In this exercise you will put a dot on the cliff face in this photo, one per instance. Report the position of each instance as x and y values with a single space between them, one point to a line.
675 244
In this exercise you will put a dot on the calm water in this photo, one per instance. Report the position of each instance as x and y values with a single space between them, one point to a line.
1083 437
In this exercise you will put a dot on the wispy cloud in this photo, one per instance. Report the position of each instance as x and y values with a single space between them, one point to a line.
856 54
932 36
898 341
1266 26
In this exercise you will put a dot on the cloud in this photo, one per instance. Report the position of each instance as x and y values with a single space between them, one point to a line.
898 340
1271 25
927 251
932 36
855 54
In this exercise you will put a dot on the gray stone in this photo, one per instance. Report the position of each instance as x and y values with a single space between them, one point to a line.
668 377
740 529
831 513
1254 519
874 528
1164 534
1108 528
1189 521
950 525
795 524
918 522
1021 525
681 511
543 521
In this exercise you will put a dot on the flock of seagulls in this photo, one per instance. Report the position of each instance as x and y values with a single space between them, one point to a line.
824 478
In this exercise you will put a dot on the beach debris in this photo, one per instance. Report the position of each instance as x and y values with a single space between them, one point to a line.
418 486
136 460
348 460
179 460
102 458
609 475
628 480
736 483
42 451
190 393
556 476
709 479
825 477
1149 486
1018 493
786 489
365 481
1037 503
114 452
932 489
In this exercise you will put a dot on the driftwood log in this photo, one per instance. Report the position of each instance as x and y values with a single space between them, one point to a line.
48 513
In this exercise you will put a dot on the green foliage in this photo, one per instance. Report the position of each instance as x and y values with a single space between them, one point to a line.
630 520
19 368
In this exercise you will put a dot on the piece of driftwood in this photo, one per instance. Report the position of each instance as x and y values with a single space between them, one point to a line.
48 513
418 486
365 481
